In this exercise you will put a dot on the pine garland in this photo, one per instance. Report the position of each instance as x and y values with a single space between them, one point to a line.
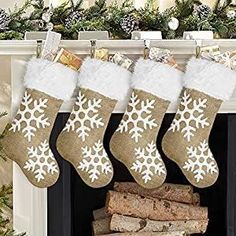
70 18
6 201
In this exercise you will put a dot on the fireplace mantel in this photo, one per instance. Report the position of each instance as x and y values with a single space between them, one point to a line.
30 203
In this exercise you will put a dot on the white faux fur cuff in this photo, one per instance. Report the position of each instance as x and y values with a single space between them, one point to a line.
52 78
211 78
105 78
157 78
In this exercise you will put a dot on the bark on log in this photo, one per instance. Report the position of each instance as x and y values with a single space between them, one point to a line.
100 214
120 223
148 234
172 192
154 209
196 199
101 226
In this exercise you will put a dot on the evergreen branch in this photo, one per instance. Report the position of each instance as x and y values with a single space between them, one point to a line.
18 12
2 114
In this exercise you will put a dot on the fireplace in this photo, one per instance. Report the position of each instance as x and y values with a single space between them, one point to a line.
71 202
66 208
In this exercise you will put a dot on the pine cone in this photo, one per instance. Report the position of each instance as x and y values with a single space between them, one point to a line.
4 19
202 11
129 23
73 18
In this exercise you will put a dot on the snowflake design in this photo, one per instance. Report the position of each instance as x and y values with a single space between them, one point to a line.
200 161
138 115
31 117
84 116
148 162
95 161
41 161
191 116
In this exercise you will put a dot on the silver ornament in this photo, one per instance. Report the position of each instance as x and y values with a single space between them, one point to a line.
231 14
173 23
50 26
46 17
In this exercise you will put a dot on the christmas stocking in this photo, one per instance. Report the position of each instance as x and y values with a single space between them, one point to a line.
26 140
207 84
101 84
134 142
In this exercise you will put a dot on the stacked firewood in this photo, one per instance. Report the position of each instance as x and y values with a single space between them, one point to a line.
170 210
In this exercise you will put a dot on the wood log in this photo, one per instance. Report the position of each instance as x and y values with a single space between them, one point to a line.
120 223
196 199
100 214
172 192
147 234
101 226
151 208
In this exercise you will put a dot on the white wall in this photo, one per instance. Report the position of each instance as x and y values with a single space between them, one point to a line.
163 4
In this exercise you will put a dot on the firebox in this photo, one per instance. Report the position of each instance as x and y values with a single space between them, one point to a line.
71 202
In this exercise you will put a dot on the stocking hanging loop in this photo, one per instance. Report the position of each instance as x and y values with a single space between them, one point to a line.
39 48
146 48
92 48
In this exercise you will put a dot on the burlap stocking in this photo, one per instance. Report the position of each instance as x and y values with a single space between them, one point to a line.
207 84
26 140
81 141
134 142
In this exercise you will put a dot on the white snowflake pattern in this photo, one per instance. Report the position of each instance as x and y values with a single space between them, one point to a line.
148 162
139 118
84 116
95 161
191 116
200 161
31 117
41 161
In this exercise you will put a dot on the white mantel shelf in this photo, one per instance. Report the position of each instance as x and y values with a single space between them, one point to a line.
30 203
21 50
135 47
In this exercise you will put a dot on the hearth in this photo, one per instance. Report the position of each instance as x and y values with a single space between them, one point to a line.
71 202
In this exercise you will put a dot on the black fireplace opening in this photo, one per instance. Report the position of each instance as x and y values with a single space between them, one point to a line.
71 201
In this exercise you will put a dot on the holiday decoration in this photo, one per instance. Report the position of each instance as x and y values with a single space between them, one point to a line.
173 23
26 140
4 19
164 56
202 11
90 118
119 20
100 84
72 19
6 192
129 23
41 161
29 124
231 14
122 61
68 59
134 142
148 162
95 161
186 141
187 121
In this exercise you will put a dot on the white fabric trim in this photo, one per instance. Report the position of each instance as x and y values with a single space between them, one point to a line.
105 78
157 78
211 78
52 78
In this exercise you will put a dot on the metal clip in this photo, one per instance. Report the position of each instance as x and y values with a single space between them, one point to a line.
146 49
93 48
198 48
39 48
